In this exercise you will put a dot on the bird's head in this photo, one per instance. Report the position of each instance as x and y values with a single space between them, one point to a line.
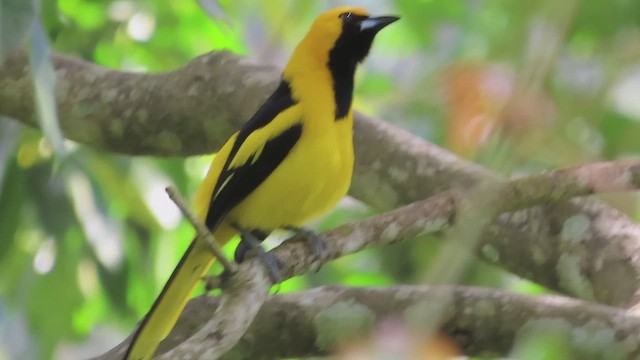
341 34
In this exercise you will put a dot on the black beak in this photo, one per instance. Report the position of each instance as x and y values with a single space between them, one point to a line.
376 24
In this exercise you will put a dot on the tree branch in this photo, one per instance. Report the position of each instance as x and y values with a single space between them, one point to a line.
248 289
479 321
193 109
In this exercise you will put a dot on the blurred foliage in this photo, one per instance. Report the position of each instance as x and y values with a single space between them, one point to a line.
16 17
516 86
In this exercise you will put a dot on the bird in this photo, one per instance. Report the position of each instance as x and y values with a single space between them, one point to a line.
291 162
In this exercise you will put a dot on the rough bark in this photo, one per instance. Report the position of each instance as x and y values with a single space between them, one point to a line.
247 290
479 321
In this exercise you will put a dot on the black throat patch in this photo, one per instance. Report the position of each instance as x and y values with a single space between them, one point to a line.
342 65
351 48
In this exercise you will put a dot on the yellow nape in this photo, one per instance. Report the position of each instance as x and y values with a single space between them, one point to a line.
313 51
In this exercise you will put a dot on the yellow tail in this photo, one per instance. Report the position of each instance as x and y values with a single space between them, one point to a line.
167 308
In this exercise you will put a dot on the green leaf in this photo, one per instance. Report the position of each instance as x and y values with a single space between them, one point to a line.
55 297
16 17
44 79
214 9
12 198
8 135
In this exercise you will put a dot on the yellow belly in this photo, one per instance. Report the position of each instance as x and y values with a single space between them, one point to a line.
311 180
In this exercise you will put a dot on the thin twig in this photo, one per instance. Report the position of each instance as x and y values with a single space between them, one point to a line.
202 231
212 283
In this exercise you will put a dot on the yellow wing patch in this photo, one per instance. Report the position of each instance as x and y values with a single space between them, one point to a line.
252 147
202 198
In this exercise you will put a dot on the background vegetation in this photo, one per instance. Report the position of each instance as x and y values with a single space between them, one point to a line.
87 239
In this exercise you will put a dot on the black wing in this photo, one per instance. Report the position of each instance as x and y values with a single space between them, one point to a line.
235 184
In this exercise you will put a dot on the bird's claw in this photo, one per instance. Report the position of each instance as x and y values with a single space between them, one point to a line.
316 242
249 244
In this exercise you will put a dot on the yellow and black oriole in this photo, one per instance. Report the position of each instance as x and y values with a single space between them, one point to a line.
291 162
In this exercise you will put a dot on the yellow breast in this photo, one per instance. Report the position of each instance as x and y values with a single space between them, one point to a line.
311 180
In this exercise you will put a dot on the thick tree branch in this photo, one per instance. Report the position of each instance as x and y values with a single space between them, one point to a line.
172 113
480 321
248 289
193 109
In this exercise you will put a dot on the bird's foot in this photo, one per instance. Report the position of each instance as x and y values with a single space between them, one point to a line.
250 245
316 242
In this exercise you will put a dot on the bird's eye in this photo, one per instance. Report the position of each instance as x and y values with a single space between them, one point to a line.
346 16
